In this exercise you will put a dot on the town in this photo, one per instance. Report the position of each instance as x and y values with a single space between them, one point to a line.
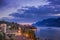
14 31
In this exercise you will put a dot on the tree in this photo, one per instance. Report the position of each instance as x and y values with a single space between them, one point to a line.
2 36
31 34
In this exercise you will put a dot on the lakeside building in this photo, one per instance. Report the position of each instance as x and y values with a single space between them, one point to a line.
16 32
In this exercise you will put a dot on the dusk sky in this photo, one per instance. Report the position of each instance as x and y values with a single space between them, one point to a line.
28 11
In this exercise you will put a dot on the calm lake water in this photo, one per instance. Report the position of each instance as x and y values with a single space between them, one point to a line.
51 33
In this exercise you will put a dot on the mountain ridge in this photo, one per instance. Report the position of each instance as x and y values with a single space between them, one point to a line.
55 22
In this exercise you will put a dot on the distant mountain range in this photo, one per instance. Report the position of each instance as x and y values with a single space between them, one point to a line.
52 22
8 23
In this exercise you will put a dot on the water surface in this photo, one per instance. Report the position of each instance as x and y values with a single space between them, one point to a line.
52 33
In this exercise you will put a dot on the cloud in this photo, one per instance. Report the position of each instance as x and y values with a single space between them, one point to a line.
17 20
10 6
2 3
54 2
17 3
8 2
32 14
31 11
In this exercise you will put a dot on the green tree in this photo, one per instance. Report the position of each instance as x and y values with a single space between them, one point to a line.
2 36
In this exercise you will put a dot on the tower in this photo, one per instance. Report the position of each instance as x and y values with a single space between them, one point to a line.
4 27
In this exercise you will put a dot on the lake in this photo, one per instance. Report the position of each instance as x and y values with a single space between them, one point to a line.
48 33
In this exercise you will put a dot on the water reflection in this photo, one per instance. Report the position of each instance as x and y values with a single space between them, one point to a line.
48 33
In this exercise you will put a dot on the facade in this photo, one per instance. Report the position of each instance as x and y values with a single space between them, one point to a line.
3 27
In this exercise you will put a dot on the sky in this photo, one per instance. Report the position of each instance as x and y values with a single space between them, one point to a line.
28 11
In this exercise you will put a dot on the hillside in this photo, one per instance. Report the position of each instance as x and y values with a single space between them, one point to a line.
55 22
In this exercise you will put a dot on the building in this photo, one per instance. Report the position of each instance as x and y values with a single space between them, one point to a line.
3 27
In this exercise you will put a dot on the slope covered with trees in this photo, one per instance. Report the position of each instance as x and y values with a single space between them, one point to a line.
55 22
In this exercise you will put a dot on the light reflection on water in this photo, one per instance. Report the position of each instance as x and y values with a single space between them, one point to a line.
39 30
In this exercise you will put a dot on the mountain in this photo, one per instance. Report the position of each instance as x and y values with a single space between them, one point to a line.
55 22
8 23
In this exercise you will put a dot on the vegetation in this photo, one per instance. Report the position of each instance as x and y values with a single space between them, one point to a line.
30 33
52 22
26 29
2 36
13 25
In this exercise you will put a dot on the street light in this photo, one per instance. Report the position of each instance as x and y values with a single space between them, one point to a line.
19 32
27 35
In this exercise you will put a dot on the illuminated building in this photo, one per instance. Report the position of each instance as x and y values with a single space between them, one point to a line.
3 26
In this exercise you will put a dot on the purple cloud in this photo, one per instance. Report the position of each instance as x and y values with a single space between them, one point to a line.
29 11
33 14
54 2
